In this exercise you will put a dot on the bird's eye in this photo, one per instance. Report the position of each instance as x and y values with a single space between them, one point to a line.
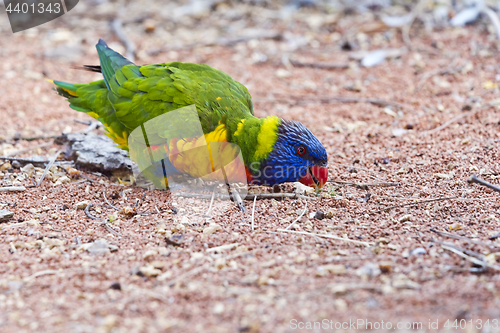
301 150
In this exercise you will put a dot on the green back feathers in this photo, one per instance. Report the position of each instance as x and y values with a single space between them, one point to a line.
130 95
256 137
111 61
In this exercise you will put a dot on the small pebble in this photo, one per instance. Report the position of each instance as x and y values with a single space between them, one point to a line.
5 215
418 251
115 286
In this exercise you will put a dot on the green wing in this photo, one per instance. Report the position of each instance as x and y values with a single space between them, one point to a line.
130 95
140 93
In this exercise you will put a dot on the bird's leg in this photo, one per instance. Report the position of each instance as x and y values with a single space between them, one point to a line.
233 193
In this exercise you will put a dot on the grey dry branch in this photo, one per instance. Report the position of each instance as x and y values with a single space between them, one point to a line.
47 168
320 65
298 218
364 185
253 211
467 239
90 216
24 161
479 181
12 189
102 222
249 196
470 258
114 207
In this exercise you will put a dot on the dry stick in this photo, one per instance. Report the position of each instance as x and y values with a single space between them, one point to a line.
253 211
104 223
86 210
470 258
223 247
47 168
41 273
41 137
467 239
466 251
298 218
479 181
411 204
382 184
209 211
327 66
249 196
88 123
24 161
449 122
152 294
12 189
237 198
326 236
130 47
94 125
110 205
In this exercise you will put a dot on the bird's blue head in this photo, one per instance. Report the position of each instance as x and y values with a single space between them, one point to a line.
297 155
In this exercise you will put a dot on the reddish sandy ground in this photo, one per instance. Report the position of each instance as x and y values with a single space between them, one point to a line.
399 271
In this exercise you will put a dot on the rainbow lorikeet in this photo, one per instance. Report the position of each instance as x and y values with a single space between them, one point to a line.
274 150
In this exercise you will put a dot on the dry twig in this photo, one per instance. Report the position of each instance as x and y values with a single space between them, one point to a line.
298 218
253 212
448 235
451 121
87 212
209 211
12 189
47 168
470 258
110 205
25 161
41 273
249 196
364 185
479 181
327 66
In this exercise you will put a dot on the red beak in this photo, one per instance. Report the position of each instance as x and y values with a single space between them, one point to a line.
315 177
